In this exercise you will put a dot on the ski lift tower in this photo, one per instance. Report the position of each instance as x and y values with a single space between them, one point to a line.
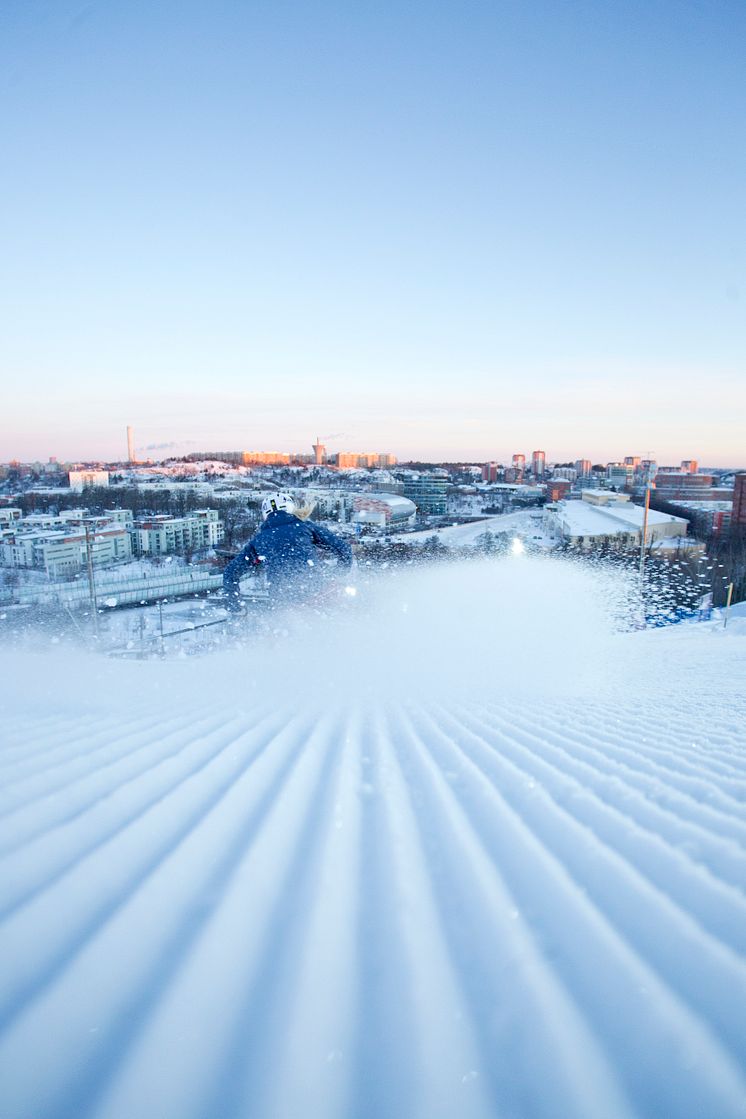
646 508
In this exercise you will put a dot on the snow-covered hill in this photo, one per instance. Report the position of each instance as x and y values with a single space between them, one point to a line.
465 853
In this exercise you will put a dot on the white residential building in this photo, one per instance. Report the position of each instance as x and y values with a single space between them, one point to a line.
60 553
166 535
80 478
56 542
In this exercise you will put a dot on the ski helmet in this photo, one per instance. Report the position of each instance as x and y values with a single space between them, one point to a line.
277 502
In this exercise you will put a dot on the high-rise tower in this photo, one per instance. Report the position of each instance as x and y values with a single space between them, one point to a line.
130 445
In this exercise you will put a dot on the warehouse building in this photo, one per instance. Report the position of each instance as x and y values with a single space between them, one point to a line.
591 521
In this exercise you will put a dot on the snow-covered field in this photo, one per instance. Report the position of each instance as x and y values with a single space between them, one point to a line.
528 522
465 853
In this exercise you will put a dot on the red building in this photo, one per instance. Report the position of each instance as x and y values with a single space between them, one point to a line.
558 488
738 516
673 485
720 522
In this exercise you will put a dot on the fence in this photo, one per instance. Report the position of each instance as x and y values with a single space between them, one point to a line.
114 592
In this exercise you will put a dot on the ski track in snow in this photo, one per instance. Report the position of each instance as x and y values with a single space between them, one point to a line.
447 907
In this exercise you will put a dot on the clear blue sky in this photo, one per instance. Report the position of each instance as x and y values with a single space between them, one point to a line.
455 229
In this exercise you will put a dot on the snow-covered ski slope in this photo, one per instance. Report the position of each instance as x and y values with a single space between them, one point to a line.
466 854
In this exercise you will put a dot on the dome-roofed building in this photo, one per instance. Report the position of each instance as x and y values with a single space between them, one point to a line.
383 509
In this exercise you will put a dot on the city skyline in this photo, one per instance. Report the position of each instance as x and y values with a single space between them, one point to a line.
164 452
440 230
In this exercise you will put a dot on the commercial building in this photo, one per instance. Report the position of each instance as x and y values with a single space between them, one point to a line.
706 517
679 485
619 475
604 497
383 509
683 479
516 493
428 492
557 489
589 522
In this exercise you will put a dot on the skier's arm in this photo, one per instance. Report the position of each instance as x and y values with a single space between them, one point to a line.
241 565
326 539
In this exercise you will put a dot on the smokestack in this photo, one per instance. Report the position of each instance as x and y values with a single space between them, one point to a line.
130 446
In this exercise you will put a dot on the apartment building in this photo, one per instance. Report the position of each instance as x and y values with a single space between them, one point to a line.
65 552
166 535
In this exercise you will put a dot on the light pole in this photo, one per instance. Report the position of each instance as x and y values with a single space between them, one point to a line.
91 579
643 540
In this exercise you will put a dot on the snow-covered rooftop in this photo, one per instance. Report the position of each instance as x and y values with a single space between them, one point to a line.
393 500
466 535
706 506
583 519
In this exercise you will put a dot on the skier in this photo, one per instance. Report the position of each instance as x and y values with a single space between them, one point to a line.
289 550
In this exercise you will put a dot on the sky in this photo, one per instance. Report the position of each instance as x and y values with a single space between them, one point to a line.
444 230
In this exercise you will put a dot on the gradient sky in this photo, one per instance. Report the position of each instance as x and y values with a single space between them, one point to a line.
446 230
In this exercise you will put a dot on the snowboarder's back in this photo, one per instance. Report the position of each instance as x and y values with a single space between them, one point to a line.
289 550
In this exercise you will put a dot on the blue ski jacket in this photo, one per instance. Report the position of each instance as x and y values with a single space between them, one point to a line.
289 550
